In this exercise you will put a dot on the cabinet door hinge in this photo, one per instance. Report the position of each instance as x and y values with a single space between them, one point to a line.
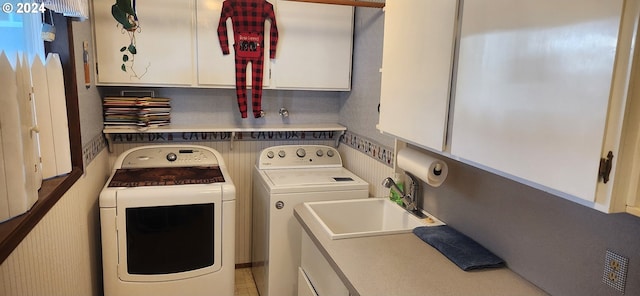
605 167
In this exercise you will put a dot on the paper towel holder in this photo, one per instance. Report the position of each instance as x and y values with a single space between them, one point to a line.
429 169
437 170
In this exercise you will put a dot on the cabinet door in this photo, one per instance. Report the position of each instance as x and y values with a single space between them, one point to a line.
318 271
314 47
164 44
416 70
532 90
214 68
305 288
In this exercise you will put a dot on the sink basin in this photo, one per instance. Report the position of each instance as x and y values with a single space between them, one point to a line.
365 217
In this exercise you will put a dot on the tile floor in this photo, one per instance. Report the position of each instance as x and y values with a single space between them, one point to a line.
244 283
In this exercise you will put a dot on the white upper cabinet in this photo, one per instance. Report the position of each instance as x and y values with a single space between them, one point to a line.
315 46
541 90
214 68
163 44
177 45
417 60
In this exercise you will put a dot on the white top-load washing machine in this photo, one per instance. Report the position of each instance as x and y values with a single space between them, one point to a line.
284 177
168 223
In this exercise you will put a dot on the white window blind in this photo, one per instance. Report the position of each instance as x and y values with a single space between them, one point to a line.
21 32
72 8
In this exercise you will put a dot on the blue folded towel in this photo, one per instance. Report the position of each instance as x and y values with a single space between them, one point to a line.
459 248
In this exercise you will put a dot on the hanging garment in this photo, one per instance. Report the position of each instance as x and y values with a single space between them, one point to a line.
248 18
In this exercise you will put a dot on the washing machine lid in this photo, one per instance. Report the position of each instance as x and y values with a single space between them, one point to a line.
167 176
325 179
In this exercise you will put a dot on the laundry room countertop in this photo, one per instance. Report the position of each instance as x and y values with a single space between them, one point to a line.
402 264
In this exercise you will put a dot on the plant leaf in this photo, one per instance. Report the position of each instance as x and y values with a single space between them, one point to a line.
121 17
125 6
123 49
123 68
125 58
132 49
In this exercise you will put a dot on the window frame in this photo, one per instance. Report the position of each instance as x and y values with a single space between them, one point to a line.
13 231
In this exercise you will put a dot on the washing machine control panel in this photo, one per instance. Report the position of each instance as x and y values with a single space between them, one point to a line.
299 156
169 157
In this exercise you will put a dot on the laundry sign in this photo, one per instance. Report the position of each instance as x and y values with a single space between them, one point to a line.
369 147
222 136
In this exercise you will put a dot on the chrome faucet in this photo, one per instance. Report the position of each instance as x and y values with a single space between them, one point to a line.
409 200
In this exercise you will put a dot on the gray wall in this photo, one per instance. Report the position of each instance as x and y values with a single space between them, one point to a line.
89 101
359 108
219 106
556 244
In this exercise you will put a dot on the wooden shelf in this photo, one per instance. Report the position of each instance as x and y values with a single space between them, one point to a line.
228 128
233 129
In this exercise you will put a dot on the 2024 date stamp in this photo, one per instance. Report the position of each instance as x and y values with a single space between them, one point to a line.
23 7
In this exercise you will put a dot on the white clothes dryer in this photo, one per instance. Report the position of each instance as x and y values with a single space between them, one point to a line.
284 177
168 223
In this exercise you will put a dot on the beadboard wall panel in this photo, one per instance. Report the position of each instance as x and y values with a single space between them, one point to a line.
366 168
60 256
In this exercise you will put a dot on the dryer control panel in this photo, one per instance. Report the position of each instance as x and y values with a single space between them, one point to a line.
299 156
169 156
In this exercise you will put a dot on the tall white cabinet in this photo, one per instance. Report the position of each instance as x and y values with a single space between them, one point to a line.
535 84
417 60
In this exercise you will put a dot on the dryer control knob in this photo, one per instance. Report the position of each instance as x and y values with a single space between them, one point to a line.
172 156
330 153
270 154
319 153
301 153
282 154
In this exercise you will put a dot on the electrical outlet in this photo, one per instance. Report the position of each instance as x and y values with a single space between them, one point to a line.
615 271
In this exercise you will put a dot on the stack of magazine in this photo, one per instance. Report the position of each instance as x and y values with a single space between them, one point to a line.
136 112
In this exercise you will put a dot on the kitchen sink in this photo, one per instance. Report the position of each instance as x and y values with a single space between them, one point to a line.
365 217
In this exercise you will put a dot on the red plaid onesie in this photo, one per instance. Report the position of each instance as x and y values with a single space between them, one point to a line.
248 18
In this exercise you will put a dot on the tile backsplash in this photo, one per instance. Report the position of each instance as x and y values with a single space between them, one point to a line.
159 138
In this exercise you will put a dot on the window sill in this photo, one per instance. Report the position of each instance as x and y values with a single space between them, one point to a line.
13 231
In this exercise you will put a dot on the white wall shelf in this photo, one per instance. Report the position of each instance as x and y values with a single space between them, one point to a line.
233 129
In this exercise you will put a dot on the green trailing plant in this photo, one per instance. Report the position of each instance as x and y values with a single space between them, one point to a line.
124 13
